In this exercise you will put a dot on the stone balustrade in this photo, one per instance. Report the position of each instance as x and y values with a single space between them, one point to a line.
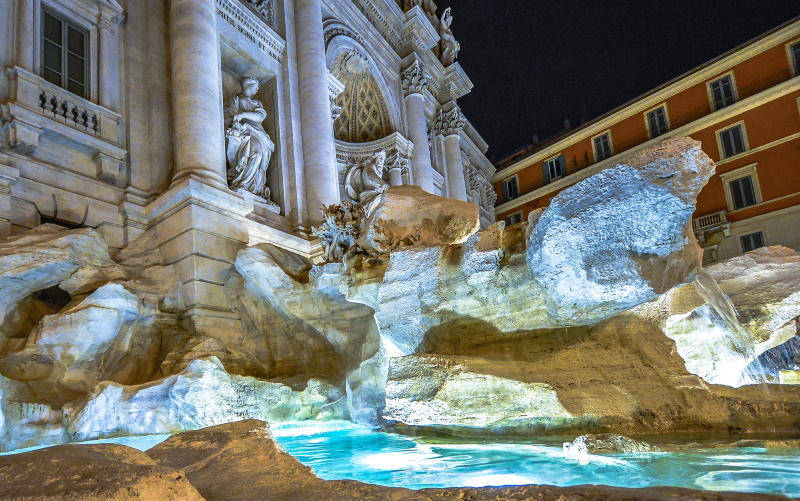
34 94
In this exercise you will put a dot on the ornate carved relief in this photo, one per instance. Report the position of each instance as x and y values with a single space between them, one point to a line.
364 116
415 80
450 122
265 9
249 147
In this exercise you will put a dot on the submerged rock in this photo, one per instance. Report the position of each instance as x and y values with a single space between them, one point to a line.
606 443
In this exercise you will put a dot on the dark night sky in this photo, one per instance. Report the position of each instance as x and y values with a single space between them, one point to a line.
535 63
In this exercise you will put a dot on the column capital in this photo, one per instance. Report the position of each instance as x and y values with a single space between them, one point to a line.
415 79
450 122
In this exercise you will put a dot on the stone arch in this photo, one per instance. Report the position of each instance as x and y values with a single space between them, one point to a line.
367 114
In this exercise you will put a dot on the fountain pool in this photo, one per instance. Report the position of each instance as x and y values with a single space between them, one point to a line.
341 450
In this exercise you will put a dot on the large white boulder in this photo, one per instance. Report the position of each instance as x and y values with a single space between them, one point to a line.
621 237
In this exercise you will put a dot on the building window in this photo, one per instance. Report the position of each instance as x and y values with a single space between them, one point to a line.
555 168
510 189
602 147
657 122
722 93
732 141
741 187
752 241
514 218
794 55
742 192
65 52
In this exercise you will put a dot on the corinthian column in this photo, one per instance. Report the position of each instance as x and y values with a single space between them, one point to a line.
450 124
196 91
319 150
415 82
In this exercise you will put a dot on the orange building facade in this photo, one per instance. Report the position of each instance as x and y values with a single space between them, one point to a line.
744 107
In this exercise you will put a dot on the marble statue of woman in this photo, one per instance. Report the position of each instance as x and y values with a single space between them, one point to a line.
364 182
249 146
450 46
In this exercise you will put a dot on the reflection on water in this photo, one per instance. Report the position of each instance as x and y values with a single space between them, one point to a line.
394 460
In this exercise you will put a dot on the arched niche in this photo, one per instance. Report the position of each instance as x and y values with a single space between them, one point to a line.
369 108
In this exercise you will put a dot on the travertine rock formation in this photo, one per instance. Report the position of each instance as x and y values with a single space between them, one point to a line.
621 237
734 312
241 462
410 216
203 395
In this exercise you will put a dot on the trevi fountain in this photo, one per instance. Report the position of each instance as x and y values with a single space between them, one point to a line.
228 312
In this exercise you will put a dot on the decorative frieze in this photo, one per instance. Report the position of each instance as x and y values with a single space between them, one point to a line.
450 122
265 9
415 80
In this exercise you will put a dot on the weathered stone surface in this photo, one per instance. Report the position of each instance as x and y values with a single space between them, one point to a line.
300 321
42 259
410 216
202 395
103 472
622 376
621 237
112 335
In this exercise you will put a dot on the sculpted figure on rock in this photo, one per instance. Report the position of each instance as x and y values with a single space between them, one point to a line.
249 147
450 46
364 182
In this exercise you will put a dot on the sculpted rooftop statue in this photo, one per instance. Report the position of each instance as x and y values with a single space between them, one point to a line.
364 182
450 46
249 147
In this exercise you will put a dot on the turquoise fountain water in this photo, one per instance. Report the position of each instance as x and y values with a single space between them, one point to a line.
341 450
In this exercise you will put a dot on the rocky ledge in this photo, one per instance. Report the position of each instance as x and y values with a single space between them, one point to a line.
241 462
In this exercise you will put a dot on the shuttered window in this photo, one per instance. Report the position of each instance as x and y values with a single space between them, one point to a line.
752 241
65 51
602 147
732 141
722 92
657 122
555 168
510 189
742 192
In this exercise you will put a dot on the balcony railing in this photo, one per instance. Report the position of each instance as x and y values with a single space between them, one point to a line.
704 223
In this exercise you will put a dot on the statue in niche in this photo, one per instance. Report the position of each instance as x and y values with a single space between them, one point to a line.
450 47
364 182
249 146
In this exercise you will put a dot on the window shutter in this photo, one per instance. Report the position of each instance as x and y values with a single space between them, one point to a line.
504 185
546 171
562 165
